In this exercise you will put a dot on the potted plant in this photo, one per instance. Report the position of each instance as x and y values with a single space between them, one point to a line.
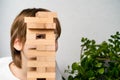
97 61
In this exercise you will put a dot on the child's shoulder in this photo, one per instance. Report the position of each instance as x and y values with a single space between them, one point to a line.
5 60
5 73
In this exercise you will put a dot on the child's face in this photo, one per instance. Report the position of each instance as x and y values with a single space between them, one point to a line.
25 48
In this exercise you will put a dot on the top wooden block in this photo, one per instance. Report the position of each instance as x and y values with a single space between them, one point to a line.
38 20
41 18
46 14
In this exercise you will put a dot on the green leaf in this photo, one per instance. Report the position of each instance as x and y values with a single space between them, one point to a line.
112 36
93 41
76 79
91 67
70 77
68 67
92 78
81 70
90 73
101 70
75 66
110 40
83 39
98 65
117 33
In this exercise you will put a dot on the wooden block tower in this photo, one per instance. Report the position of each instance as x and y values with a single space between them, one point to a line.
40 40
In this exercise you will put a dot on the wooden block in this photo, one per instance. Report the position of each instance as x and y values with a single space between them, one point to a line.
40 42
34 25
38 20
41 69
31 69
40 47
49 26
45 47
32 74
46 14
50 79
41 79
40 34
31 63
46 31
31 79
35 53
50 69
45 59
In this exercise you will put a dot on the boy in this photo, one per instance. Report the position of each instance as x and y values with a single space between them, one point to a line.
17 69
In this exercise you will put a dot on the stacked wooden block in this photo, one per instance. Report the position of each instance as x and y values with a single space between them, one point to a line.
40 42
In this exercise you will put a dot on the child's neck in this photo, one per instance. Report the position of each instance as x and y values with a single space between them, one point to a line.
20 73
17 72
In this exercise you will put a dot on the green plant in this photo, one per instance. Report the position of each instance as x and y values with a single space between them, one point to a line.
97 61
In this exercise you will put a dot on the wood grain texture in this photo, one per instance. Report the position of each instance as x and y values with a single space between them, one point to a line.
46 14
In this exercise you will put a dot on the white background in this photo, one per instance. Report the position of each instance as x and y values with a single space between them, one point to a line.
95 19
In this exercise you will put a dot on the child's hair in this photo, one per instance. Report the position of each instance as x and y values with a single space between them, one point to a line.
18 30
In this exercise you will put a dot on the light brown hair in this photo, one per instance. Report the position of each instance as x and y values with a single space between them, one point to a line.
18 30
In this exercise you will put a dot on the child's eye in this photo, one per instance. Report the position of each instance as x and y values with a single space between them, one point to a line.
40 36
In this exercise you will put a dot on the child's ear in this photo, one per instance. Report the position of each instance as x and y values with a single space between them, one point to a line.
17 44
